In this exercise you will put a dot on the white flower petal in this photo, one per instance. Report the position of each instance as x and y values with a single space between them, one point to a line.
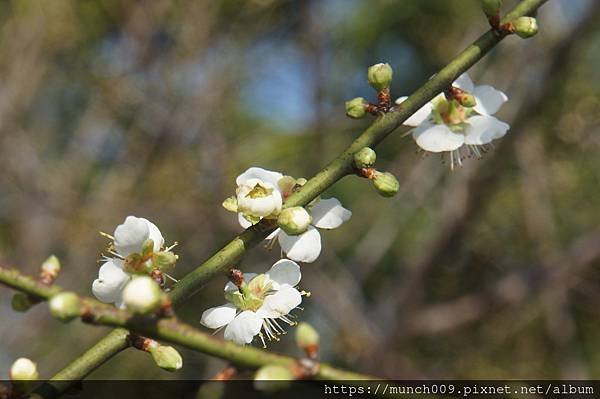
130 236
280 303
243 328
155 235
285 271
245 223
110 283
418 117
261 174
483 129
437 138
218 316
329 214
273 235
489 100
464 82
305 247
229 287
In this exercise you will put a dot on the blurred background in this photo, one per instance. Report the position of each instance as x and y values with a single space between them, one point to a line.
152 108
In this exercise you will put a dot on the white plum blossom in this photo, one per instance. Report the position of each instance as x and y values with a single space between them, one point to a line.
128 239
258 303
270 190
306 247
258 194
446 126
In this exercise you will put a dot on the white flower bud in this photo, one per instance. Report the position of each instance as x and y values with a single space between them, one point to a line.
294 220
142 295
272 378
525 27
364 158
380 76
356 108
23 369
65 306
166 357
386 184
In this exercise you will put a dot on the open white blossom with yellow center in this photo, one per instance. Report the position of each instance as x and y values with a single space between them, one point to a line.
128 239
258 304
444 125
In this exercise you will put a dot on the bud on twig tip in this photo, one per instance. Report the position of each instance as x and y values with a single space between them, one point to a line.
356 108
364 158
386 184
294 220
380 76
142 295
65 306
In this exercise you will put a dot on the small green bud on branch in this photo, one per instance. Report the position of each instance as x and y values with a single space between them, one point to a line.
294 220
380 76
166 357
22 302
356 108
525 27
65 306
491 8
386 184
142 295
307 338
364 158
49 270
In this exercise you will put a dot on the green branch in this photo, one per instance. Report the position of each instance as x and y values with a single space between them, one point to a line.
338 168
165 329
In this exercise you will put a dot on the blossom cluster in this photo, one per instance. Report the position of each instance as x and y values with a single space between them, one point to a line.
257 303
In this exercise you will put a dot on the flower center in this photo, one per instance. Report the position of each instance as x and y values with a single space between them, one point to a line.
451 114
259 191
251 295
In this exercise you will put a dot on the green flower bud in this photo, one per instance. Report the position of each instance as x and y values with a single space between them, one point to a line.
380 76
142 295
491 8
294 220
386 184
525 27
272 378
356 108
21 302
231 204
65 306
364 158
166 357
164 260
51 266
23 369
306 335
